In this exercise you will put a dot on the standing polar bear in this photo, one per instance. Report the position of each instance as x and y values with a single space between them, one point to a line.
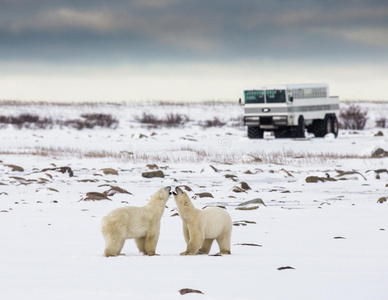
139 223
202 227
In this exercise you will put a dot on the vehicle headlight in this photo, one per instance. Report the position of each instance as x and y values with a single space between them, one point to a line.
252 119
280 120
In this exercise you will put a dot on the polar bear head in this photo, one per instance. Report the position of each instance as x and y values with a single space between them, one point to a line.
181 198
161 196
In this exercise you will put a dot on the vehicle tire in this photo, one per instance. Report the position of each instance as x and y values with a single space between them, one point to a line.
334 126
255 132
322 127
282 133
300 130
328 124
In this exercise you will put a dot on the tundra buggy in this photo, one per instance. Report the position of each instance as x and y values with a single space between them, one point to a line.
288 110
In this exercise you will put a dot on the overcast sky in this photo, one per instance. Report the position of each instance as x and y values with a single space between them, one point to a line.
86 50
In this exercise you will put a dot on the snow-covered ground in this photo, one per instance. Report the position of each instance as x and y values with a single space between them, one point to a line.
331 233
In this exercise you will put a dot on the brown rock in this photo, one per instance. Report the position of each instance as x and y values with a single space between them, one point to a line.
15 168
313 179
204 195
95 196
152 166
245 186
247 208
188 291
109 171
153 174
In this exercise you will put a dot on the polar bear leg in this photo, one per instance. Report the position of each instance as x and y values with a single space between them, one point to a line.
207 244
224 242
140 243
195 242
150 242
186 233
113 247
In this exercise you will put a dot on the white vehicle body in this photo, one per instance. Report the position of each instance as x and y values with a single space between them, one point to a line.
289 109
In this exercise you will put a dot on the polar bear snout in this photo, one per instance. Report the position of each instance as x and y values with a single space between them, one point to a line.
168 189
177 190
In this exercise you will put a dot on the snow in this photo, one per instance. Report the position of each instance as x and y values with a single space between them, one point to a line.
332 233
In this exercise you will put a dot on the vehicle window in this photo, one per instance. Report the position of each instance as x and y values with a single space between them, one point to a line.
276 96
254 96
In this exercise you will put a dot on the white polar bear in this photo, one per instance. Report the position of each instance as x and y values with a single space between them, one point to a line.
202 227
139 223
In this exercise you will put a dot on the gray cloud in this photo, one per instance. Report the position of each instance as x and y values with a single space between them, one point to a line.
192 30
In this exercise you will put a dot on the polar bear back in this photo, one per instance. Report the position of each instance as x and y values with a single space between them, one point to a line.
130 221
217 221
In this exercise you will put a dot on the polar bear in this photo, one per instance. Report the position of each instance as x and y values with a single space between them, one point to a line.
139 223
202 227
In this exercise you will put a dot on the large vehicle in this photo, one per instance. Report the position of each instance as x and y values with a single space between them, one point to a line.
288 110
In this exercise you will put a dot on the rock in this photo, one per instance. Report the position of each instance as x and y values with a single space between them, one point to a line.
248 244
15 168
187 188
88 180
288 173
209 169
188 291
286 268
379 153
342 173
214 168
254 201
204 195
379 133
47 189
152 166
153 174
243 223
219 206
139 136
237 189
382 200
116 190
313 179
245 186
247 208
109 171
379 171
95 196
61 170
231 176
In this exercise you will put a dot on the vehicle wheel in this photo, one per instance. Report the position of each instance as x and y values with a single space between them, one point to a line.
334 126
255 132
328 124
322 127
300 130
281 133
